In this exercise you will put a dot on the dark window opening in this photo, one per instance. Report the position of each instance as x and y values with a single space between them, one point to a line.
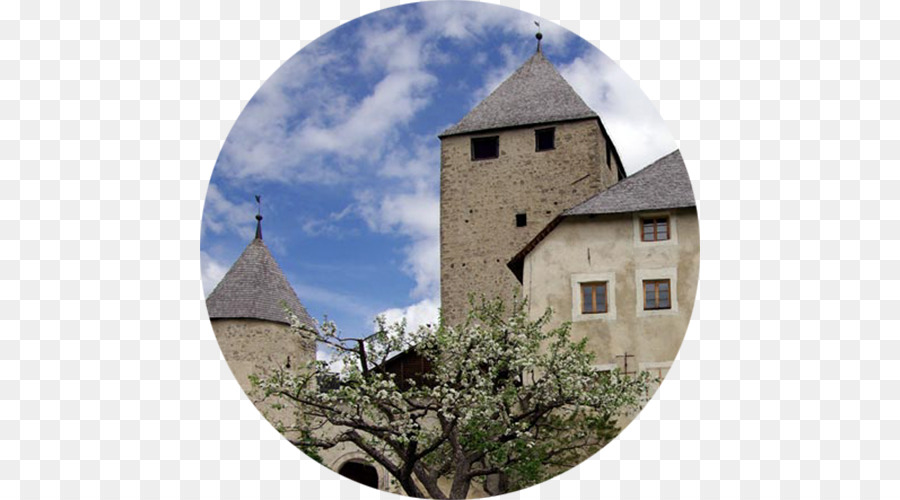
485 148
544 139
608 155
656 294
521 220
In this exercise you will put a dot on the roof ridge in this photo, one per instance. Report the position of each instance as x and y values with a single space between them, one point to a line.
635 177
664 183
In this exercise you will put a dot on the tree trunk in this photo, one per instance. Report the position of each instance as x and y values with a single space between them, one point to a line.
460 488
461 478
409 486
429 482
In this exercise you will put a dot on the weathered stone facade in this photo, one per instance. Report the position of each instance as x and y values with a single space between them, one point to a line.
252 346
481 198
257 347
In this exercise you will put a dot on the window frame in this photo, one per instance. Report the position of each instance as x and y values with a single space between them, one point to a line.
473 140
576 294
594 285
656 285
537 131
656 220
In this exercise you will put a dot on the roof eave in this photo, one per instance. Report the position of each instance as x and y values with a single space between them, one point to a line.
632 210
446 134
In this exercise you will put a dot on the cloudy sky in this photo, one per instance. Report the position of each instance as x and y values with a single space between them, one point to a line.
341 142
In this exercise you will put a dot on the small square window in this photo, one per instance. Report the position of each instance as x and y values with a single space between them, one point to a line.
657 295
544 139
593 298
521 220
655 229
485 148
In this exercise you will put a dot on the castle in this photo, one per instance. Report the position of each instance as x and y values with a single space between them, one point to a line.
535 202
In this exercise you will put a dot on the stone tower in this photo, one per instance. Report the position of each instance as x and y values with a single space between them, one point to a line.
248 318
528 151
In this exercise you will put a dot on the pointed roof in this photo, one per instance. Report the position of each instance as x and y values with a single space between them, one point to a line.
535 93
664 184
255 288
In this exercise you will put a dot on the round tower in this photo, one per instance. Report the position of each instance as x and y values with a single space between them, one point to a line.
247 312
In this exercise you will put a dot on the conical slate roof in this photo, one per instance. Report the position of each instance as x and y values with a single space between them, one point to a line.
255 288
536 93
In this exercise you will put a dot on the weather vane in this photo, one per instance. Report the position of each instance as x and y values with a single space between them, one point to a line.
258 218
538 35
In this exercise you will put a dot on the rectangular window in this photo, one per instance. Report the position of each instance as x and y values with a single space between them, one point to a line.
544 139
657 295
521 220
485 148
593 298
655 229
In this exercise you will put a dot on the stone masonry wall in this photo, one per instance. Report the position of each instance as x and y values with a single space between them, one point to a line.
256 346
480 200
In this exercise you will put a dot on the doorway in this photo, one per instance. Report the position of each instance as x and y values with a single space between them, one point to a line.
361 473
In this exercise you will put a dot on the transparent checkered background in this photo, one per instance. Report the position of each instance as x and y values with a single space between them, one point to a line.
112 114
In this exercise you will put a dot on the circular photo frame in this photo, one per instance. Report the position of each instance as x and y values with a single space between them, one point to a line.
494 227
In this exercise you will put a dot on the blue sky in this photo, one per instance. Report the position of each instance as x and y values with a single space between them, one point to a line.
341 142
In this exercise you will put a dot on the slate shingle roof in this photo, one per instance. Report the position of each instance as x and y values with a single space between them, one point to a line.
664 184
535 93
661 185
255 288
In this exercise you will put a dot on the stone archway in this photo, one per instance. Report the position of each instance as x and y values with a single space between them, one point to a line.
347 455
362 473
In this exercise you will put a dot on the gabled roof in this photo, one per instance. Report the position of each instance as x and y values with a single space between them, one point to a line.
535 93
664 184
255 288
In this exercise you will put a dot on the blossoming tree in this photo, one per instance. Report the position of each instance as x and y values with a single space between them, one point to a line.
505 397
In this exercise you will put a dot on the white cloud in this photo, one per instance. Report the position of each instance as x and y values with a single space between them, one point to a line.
221 215
329 225
421 313
211 271
447 19
300 127
631 119
494 77
393 48
416 215
337 302
394 101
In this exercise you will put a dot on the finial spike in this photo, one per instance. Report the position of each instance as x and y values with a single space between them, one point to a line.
538 35
258 218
